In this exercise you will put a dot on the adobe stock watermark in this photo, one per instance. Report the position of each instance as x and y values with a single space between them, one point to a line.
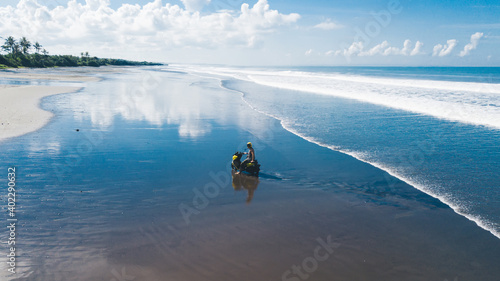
12 220
211 190
201 197
75 155
219 5
91 139
379 20
309 265
424 148
51 4
122 275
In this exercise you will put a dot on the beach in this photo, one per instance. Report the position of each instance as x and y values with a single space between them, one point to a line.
20 112
144 191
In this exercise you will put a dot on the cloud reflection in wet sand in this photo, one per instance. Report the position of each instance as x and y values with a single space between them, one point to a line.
190 102
169 102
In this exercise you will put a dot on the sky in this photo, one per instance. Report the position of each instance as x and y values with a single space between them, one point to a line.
264 32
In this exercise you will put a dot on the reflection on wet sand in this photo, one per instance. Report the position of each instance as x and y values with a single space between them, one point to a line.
153 98
159 99
245 182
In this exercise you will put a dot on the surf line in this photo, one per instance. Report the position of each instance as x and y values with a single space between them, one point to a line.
417 186
456 209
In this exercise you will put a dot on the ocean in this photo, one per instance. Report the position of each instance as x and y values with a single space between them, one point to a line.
436 128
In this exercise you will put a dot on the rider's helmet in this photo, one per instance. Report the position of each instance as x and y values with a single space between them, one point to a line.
249 144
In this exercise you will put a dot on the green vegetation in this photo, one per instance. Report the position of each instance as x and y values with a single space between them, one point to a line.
18 55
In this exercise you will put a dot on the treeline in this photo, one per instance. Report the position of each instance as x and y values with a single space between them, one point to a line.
19 55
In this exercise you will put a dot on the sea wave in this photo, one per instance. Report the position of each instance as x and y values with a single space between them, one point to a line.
447 199
467 102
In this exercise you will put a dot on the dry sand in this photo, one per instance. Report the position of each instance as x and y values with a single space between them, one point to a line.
19 108
19 105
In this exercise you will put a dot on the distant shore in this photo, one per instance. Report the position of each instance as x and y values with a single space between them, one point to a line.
47 61
18 56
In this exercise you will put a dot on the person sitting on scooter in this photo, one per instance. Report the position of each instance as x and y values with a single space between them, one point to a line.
250 157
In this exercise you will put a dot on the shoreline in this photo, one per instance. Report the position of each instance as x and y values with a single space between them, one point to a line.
20 112
20 105
419 187
481 223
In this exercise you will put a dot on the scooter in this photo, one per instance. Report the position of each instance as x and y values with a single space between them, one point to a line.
250 168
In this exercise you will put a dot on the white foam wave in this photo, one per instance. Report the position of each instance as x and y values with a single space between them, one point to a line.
448 200
466 102
478 104
455 206
480 101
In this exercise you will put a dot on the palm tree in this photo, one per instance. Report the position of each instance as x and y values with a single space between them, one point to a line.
25 45
5 48
37 47
17 49
44 52
9 45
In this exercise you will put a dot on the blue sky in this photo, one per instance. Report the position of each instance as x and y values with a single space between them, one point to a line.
264 32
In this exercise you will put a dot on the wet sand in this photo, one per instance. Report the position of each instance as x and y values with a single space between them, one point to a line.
378 229
64 74
20 113
157 202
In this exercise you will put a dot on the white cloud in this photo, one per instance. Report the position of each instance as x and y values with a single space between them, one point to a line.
354 49
440 50
309 52
418 49
378 49
436 49
450 45
406 47
153 26
195 5
474 41
407 50
328 25
391 51
384 48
